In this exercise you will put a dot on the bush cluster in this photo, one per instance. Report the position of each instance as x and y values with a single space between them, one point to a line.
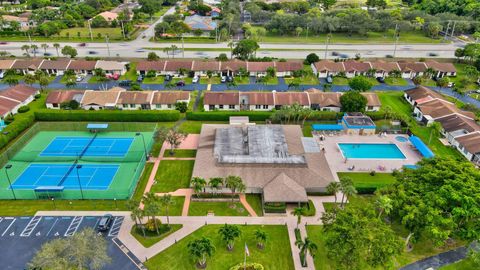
107 115
275 207
15 128
248 266
224 116
23 109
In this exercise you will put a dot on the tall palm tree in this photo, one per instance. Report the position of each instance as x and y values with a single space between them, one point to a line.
166 201
151 207
231 44
306 246
198 184
166 50
435 127
235 184
384 205
56 46
26 48
201 249
215 183
347 188
298 212
34 48
44 47
137 215
261 237
229 233
334 187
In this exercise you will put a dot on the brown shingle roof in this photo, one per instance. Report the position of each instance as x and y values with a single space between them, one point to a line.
176 65
412 66
259 98
7 105
233 65
171 97
55 64
328 99
380 65
206 65
421 94
6 64
458 122
19 92
352 65
151 65
471 142
372 99
259 66
282 188
218 98
101 98
27 64
82 65
135 97
327 65
439 108
288 66
290 98
443 67
62 96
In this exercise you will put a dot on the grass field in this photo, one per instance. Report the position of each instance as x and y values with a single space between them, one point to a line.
255 201
218 208
131 74
241 80
151 238
465 264
396 81
113 33
212 80
172 175
277 246
340 81
194 127
462 77
308 80
181 153
366 180
154 80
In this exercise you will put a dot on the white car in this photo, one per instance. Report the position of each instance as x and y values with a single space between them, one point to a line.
79 78
223 79
195 79
2 75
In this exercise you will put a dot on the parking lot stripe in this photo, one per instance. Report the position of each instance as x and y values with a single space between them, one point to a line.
128 253
51 228
31 226
72 229
115 229
4 232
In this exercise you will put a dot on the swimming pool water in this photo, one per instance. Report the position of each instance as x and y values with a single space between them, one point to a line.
371 150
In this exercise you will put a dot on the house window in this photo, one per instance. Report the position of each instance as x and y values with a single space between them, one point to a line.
265 107
220 106
158 106
258 107
132 105
169 106
55 105
125 105
231 107
211 107
370 108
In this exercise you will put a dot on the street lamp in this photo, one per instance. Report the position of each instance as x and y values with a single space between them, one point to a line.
78 178
7 167
144 147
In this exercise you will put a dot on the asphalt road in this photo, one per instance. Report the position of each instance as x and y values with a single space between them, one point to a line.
21 237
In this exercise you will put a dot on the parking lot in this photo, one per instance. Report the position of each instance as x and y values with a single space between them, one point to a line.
21 237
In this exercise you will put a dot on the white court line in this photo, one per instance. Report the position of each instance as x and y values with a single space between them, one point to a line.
6 230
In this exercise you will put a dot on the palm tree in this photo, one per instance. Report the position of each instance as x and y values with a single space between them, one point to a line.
137 215
200 250
228 234
347 188
166 50
166 201
261 237
215 183
198 184
384 205
34 48
298 212
430 72
26 48
231 44
29 79
235 183
44 47
56 46
151 207
306 246
435 127
334 187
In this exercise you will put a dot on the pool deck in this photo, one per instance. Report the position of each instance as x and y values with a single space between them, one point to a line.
338 163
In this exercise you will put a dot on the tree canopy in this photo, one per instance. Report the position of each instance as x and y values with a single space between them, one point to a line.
353 101
360 83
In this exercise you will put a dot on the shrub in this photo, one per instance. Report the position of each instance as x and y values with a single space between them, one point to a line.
372 173
248 266
275 207
23 109
225 116
37 96
107 115
15 128
366 190
181 106
150 225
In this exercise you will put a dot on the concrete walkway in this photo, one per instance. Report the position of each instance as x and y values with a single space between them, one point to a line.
247 206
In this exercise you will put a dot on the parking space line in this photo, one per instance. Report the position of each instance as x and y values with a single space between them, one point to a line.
4 232
51 228
31 226
115 229
73 227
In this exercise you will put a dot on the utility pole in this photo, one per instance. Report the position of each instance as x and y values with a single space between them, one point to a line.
108 47
326 45
123 29
307 31
90 30
446 31
183 47
453 28
396 40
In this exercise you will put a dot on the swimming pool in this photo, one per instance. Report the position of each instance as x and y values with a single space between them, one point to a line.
371 150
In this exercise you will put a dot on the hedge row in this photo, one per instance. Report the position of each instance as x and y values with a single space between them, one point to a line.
15 128
107 115
224 116
366 190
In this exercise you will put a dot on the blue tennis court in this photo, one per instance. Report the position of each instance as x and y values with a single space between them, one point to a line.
99 147
92 176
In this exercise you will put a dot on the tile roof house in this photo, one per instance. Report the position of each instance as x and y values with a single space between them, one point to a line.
287 68
203 23
163 100
324 101
429 111
14 97
384 69
355 68
232 67
143 67
111 67
24 22
290 98
108 15
135 100
469 146
327 68
55 67
257 101
175 66
221 101
98 100
55 98
373 102
25 66
442 69
421 94
259 69
455 125
202 67
6 64
411 70
82 66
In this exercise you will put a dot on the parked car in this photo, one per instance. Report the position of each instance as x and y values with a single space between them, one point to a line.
223 79
450 84
79 78
140 78
334 53
168 78
2 74
92 52
195 79
125 83
329 79
229 78
47 54
432 54
342 55
113 76
381 79
105 223
82 45
180 83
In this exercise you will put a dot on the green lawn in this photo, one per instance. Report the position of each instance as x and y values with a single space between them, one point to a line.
172 175
157 145
429 82
309 80
151 238
154 80
465 264
364 179
255 201
187 80
277 247
373 81
186 40
194 127
181 153
130 74
307 130
396 81
340 81
212 80
241 80
269 80
18 77
461 77
96 79
218 208
66 78
113 33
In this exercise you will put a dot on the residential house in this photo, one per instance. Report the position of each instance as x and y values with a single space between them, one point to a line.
290 98
55 67
14 97
455 125
98 100
384 69
286 69
257 101
108 16
442 69
56 98
430 111
373 102
143 67
6 65
23 22
469 146
411 70
355 68
135 100
82 67
201 68
421 94
27 66
201 23
232 67
178 68
215 12
221 101
111 67
327 68
324 101
163 100
259 69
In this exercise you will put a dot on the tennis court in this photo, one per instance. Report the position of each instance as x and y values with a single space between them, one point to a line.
108 164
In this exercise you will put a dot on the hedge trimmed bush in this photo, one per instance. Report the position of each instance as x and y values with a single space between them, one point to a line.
366 190
248 266
23 109
225 116
107 115
275 207
15 128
